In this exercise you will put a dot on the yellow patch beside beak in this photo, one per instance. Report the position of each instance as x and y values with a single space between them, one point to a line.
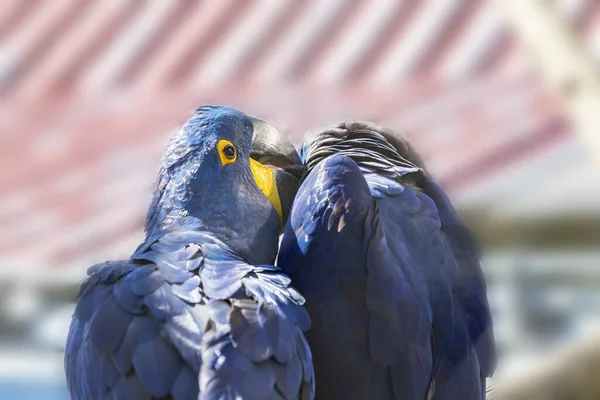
265 180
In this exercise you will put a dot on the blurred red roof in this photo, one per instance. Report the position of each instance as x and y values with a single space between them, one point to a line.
90 88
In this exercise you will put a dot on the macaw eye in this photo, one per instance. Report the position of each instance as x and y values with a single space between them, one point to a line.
227 152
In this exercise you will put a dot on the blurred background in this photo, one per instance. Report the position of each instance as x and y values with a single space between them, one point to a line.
91 90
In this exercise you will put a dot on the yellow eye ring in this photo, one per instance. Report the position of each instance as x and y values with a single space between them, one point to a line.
227 152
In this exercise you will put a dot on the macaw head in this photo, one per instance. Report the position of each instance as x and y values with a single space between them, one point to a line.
375 148
231 175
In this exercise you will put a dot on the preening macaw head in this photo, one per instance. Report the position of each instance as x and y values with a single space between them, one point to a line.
375 148
231 175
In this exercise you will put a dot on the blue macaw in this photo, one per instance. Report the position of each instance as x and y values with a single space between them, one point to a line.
199 310
390 273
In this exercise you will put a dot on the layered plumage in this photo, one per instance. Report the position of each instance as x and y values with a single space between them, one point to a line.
390 273
198 311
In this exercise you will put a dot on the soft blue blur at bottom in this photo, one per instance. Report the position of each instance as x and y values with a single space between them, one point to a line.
32 391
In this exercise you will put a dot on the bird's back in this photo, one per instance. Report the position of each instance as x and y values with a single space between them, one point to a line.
185 315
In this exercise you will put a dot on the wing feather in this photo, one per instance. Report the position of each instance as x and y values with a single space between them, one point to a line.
152 327
395 293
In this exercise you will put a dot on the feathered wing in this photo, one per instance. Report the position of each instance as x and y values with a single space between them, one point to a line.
382 280
184 316
474 328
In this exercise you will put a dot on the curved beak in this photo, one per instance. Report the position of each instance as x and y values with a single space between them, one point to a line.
276 166
269 146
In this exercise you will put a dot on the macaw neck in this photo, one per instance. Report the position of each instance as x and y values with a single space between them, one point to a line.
235 211
253 242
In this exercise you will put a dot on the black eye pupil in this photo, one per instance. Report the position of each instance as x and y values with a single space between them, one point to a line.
229 151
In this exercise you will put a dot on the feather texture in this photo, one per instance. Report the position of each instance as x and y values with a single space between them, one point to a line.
396 294
150 327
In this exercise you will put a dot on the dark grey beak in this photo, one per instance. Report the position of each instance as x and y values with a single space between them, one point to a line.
269 146
273 149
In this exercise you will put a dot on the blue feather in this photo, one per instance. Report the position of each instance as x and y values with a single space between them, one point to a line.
163 304
130 387
188 290
184 331
129 301
109 325
144 280
157 365
186 385
123 356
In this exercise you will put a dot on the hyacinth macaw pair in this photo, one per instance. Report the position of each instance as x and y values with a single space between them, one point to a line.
390 275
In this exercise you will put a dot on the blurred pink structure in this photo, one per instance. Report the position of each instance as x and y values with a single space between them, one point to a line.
89 90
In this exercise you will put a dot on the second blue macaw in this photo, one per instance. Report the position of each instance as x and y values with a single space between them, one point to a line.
390 273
